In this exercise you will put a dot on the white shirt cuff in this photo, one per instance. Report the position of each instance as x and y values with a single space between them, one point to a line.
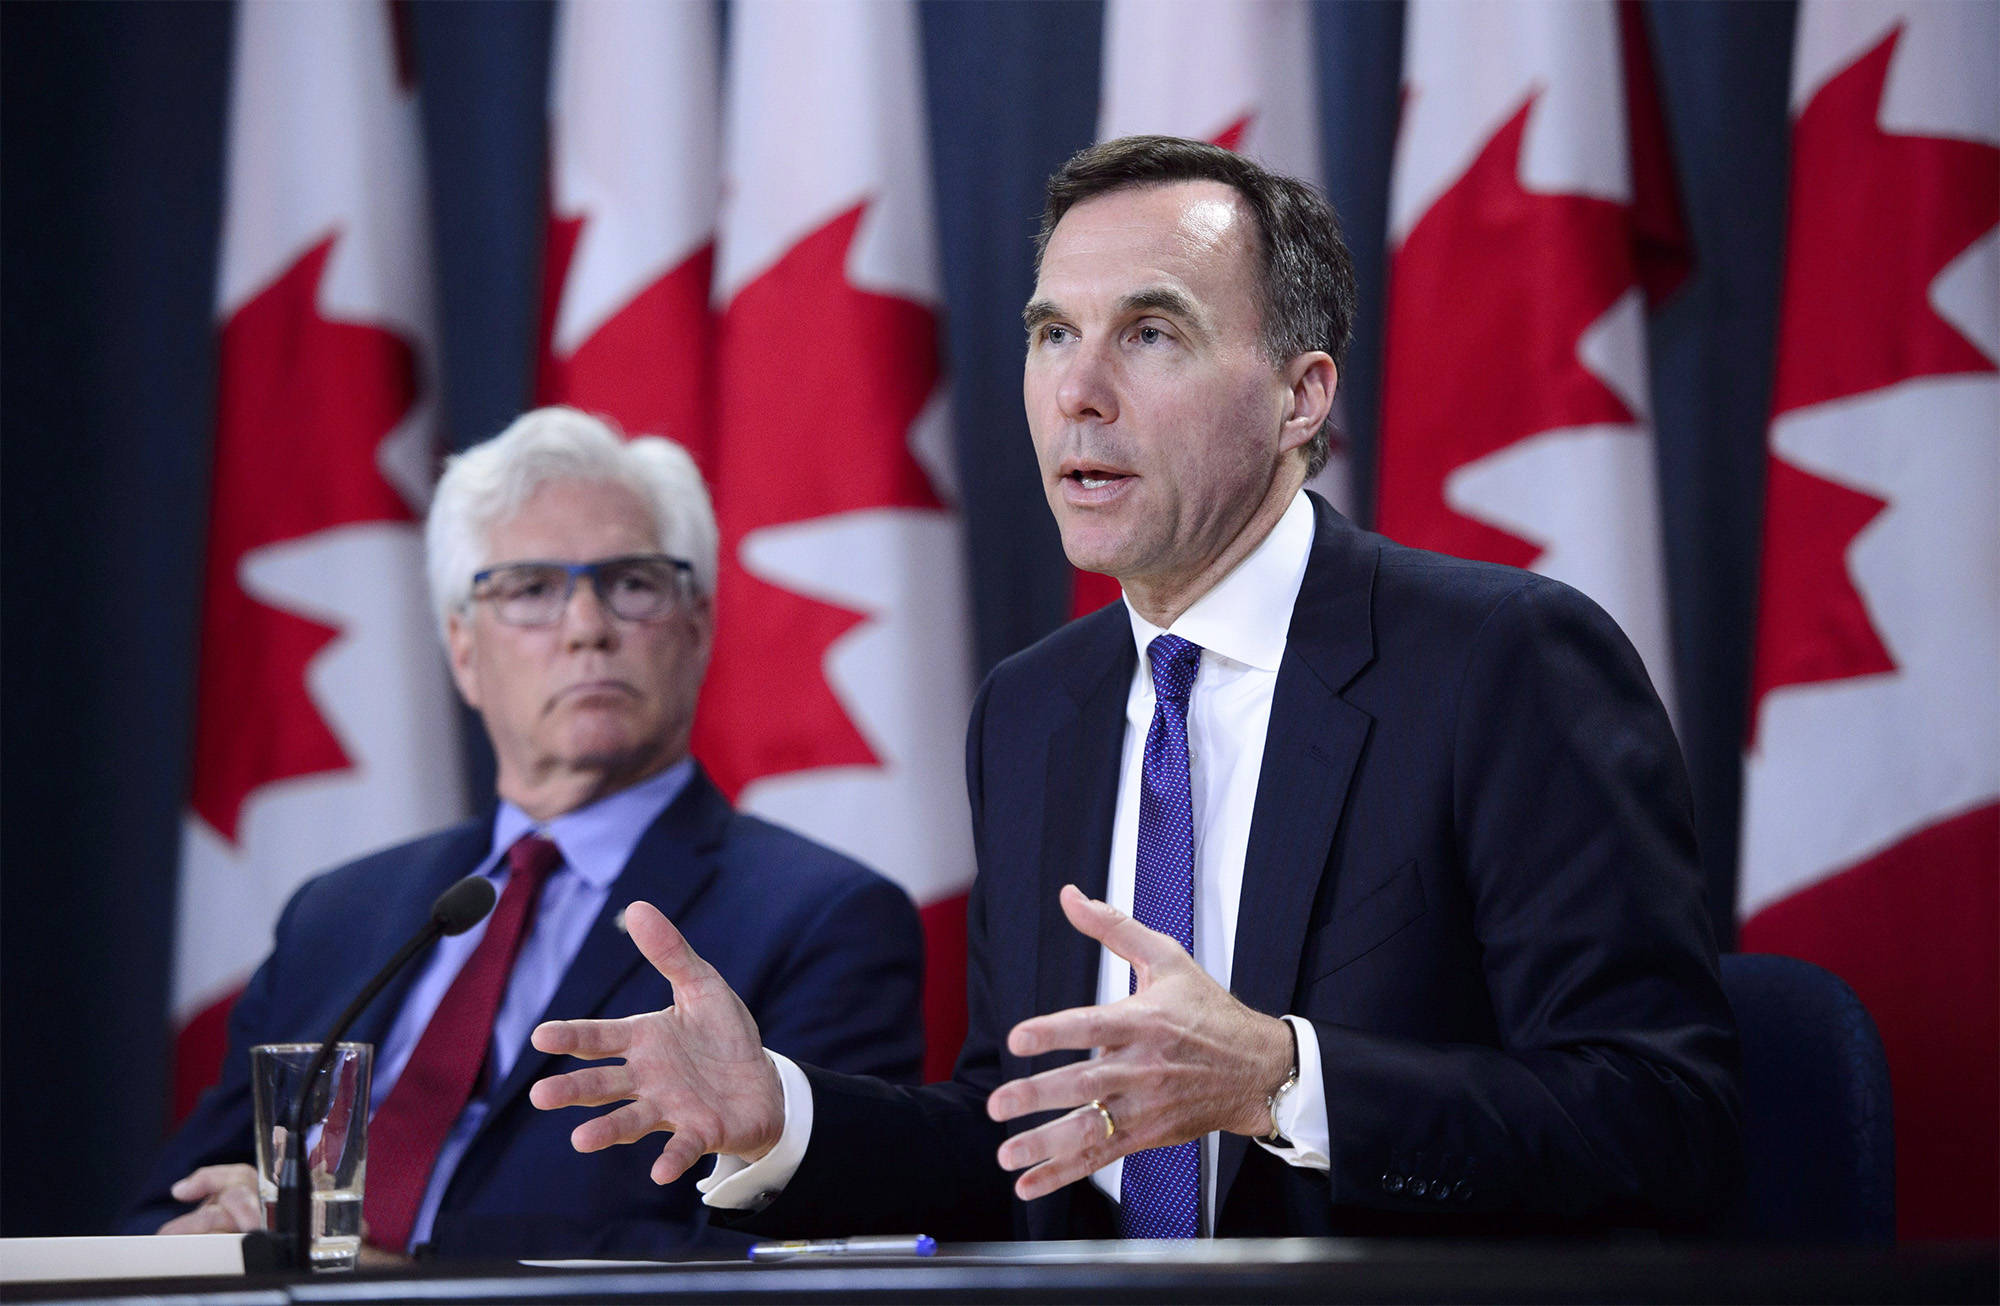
1301 1117
739 1185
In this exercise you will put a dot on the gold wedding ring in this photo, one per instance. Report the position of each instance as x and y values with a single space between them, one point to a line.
1110 1125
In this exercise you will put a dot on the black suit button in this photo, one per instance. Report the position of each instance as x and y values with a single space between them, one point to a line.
1461 1191
1392 1183
1418 1188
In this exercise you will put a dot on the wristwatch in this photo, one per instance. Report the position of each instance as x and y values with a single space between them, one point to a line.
1277 1094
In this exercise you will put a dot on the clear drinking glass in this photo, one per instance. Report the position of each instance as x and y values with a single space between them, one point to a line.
336 1139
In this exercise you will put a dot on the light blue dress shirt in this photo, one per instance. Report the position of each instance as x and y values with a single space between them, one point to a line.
596 842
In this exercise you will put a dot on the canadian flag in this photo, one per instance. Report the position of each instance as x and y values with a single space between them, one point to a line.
324 725
1236 74
837 694
1532 215
634 128
1871 832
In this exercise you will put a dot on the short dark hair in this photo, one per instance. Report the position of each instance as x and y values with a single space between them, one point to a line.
1308 275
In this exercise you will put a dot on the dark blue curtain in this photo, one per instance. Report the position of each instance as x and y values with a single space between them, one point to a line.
113 119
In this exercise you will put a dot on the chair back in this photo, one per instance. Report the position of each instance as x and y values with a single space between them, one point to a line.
1819 1147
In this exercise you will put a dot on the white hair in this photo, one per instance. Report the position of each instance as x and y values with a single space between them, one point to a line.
489 483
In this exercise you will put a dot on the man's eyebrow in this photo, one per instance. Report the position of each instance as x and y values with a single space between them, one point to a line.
1036 312
1155 299
1162 299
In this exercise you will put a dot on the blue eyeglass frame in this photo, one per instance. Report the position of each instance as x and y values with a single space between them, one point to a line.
592 570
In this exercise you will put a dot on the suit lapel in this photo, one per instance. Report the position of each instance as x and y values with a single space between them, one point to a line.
669 869
453 854
1310 750
1078 806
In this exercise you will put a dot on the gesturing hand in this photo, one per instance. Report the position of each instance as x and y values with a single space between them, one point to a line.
1179 1059
697 1069
228 1197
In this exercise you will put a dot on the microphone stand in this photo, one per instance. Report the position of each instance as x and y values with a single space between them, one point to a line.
289 1246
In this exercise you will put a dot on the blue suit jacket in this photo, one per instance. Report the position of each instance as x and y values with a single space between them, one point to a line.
827 955
1471 864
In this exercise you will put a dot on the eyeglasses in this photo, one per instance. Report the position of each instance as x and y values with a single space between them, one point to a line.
642 587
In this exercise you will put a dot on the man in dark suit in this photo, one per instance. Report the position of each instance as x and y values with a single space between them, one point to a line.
572 574
1325 886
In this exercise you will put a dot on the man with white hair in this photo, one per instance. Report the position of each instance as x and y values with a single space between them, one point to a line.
573 576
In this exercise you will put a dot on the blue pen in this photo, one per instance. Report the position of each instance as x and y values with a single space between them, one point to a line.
903 1245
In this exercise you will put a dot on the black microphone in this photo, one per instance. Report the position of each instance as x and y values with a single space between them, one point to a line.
456 910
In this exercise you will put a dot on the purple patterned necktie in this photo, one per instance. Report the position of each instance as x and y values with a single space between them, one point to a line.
1160 1191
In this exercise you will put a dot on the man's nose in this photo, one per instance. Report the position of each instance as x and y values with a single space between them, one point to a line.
586 621
1086 390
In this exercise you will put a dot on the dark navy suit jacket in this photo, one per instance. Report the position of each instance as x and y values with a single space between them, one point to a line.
827 955
1471 864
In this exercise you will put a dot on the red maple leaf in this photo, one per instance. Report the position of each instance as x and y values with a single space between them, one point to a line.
1876 217
304 405
1812 624
1091 590
819 384
1490 294
647 366
1231 137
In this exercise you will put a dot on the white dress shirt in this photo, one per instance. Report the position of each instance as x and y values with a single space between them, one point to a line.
1241 625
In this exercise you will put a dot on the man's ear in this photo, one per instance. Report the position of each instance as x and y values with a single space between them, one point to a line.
702 614
1310 381
458 638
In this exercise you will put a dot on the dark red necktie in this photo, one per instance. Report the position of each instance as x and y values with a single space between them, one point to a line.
413 1121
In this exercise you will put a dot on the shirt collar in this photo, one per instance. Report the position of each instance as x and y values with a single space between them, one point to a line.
597 840
1248 613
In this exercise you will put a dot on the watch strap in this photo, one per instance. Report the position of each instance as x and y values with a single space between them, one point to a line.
1277 1094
